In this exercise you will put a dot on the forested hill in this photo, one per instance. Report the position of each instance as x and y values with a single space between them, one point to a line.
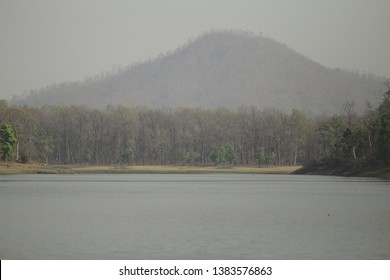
220 69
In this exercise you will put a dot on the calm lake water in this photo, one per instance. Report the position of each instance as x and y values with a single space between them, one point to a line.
193 217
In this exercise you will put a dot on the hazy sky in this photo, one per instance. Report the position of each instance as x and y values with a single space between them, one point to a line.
52 41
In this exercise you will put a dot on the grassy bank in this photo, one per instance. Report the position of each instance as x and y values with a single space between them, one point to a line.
184 169
31 168
15 168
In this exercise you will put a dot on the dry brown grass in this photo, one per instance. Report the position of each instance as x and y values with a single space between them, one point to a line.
31 168
15 168
183 169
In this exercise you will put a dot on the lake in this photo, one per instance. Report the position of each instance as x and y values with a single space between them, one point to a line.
203 216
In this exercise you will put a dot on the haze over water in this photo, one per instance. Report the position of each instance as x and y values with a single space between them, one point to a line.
193 217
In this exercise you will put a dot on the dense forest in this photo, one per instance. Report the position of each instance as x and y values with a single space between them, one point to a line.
167 136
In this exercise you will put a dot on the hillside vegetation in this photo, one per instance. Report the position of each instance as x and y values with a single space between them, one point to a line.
220 69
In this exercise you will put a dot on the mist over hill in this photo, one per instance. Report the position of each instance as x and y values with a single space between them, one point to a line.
221 69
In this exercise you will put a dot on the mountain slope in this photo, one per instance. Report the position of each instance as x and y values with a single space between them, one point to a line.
226 69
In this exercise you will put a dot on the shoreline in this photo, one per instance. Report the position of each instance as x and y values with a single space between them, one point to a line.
335 168
13 168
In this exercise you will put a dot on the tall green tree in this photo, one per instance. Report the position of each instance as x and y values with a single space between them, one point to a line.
127 156
298 132
260 158
383 137
353 134
214 152
222 155
191 158
353 139
270 159
331 136
230 155
7 141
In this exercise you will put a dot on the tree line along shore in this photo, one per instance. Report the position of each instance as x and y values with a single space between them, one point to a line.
248 136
